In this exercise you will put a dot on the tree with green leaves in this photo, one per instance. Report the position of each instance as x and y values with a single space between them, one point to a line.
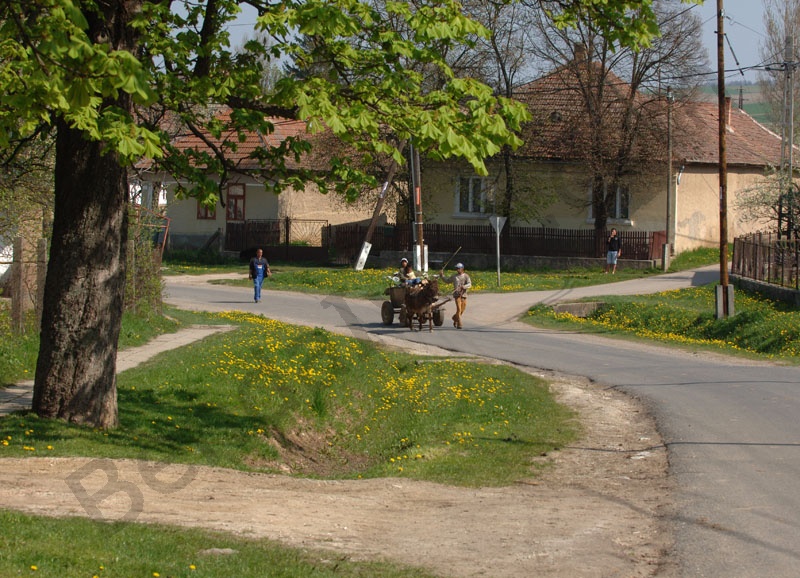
112 78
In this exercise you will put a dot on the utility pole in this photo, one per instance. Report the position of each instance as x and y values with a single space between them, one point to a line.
367 244
724 292
668 241
787 143
420 257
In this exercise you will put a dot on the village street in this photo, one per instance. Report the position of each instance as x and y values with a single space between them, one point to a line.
731 426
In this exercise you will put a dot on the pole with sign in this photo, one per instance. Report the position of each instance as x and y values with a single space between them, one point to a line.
497 224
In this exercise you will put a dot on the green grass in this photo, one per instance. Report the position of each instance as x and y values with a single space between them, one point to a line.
361 411
198 262
18 353
79 548
371 283
696 258
760 328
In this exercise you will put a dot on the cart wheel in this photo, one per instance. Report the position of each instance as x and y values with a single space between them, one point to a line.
438 317
387 313
403 315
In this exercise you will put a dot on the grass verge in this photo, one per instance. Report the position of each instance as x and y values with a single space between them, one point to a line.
245 399
761 328
241 400
371 283
37 546
18 352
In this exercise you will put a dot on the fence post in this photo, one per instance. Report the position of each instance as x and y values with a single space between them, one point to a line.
41 276
17 324
288 229
22 294
132 276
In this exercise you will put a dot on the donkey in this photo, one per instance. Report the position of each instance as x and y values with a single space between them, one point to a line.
418 302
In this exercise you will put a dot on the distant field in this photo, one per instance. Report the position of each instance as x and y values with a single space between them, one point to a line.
750 95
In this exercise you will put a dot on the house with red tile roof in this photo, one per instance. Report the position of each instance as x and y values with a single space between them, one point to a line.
553 172
250 212
751 151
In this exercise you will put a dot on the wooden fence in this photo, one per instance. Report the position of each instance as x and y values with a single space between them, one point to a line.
346 240
765 257
290 239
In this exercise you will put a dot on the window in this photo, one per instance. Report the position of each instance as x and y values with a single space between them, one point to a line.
472 197
619 209
206 213
235 208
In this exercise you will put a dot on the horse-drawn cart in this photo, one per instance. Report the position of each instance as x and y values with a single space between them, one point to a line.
397 305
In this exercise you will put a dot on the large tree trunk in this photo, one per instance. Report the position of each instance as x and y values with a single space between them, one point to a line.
76 368
83 300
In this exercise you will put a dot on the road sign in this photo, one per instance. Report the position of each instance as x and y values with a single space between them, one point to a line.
497 222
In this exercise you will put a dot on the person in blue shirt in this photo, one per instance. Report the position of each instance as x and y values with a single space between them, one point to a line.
259 269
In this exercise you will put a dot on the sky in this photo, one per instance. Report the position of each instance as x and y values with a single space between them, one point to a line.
744 27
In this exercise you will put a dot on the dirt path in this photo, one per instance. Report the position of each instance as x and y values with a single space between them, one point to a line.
597 513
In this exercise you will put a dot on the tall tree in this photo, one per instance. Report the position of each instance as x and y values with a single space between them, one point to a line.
778 196
781 25
619 88
504 57
112 76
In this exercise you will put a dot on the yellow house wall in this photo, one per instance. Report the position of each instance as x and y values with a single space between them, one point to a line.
694 208
565 186
259 203
698 207
183 215
440 184
311 204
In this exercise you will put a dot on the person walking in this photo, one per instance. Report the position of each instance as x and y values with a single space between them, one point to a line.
259 268
461 283
614 250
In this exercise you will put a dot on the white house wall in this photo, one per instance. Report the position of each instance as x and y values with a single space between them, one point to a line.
260 203
189 232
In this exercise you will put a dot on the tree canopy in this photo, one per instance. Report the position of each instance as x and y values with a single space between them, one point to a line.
114 78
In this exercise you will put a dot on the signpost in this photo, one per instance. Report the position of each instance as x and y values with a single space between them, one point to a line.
497 223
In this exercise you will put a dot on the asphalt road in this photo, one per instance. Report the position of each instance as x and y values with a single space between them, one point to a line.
732 427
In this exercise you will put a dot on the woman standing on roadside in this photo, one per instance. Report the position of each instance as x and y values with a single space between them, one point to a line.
614 251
